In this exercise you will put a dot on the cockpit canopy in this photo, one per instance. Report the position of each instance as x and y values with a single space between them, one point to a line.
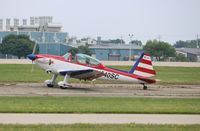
82 58
67 56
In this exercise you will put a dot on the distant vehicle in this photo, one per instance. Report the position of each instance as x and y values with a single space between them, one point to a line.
84 67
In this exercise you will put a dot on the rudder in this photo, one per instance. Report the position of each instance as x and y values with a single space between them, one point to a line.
143 66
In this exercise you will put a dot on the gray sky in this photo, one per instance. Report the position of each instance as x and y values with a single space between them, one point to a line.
146 19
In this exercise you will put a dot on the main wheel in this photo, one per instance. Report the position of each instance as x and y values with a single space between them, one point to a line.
50 85
63 87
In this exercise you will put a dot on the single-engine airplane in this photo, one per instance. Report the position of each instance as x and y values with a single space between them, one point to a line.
84 67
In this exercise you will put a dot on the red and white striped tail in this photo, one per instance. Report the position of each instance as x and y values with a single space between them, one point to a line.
143 66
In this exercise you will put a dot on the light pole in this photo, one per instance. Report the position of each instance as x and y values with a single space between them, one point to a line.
197 41
131 36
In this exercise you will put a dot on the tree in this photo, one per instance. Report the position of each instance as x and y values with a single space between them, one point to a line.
136 42
84 49
81 49
17 45
74 51
159 49
187 44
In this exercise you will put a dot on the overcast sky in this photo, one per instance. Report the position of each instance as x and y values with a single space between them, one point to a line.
146 19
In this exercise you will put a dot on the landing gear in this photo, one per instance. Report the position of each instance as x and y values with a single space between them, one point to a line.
51 83
144 87
64 84
93 82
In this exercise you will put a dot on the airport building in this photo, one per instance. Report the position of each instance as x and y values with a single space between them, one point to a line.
52 40
116 52
47 34
192 54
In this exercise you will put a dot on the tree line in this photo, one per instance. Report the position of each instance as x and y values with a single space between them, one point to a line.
17 45
21 46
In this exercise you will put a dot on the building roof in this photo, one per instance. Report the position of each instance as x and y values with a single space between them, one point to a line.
115 46
28 26
195 51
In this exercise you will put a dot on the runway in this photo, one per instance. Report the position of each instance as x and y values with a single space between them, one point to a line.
109 90
98 119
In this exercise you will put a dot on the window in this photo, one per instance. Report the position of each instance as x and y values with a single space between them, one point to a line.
85 59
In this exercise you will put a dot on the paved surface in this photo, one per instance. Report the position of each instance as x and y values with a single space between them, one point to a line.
98 118
128 90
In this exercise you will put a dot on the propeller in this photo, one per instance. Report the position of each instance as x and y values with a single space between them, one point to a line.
32 67
34 48
32 56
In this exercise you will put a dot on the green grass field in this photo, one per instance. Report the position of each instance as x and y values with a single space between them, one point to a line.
15 73
99 105
99 127
175 75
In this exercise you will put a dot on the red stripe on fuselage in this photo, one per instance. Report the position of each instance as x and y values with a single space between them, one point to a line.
145 70
51 56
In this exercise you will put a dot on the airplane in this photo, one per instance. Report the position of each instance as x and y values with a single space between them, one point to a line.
85 67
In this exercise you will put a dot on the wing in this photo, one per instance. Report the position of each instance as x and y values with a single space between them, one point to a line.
87 74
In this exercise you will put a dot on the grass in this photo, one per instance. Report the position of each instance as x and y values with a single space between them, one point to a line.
99 127
178 75
99 105
174 75
15 73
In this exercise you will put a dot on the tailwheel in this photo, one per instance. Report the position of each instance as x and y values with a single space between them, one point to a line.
144 87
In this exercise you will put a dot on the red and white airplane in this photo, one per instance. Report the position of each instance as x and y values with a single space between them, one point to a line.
85 67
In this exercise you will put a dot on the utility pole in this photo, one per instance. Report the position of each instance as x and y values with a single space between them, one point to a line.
131 36
121 40
197 41
159 38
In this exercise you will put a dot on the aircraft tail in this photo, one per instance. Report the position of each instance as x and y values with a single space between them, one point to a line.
143 66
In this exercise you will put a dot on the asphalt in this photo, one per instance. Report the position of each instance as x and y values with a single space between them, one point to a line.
109 90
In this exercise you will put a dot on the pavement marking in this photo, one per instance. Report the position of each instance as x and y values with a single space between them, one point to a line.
39 118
